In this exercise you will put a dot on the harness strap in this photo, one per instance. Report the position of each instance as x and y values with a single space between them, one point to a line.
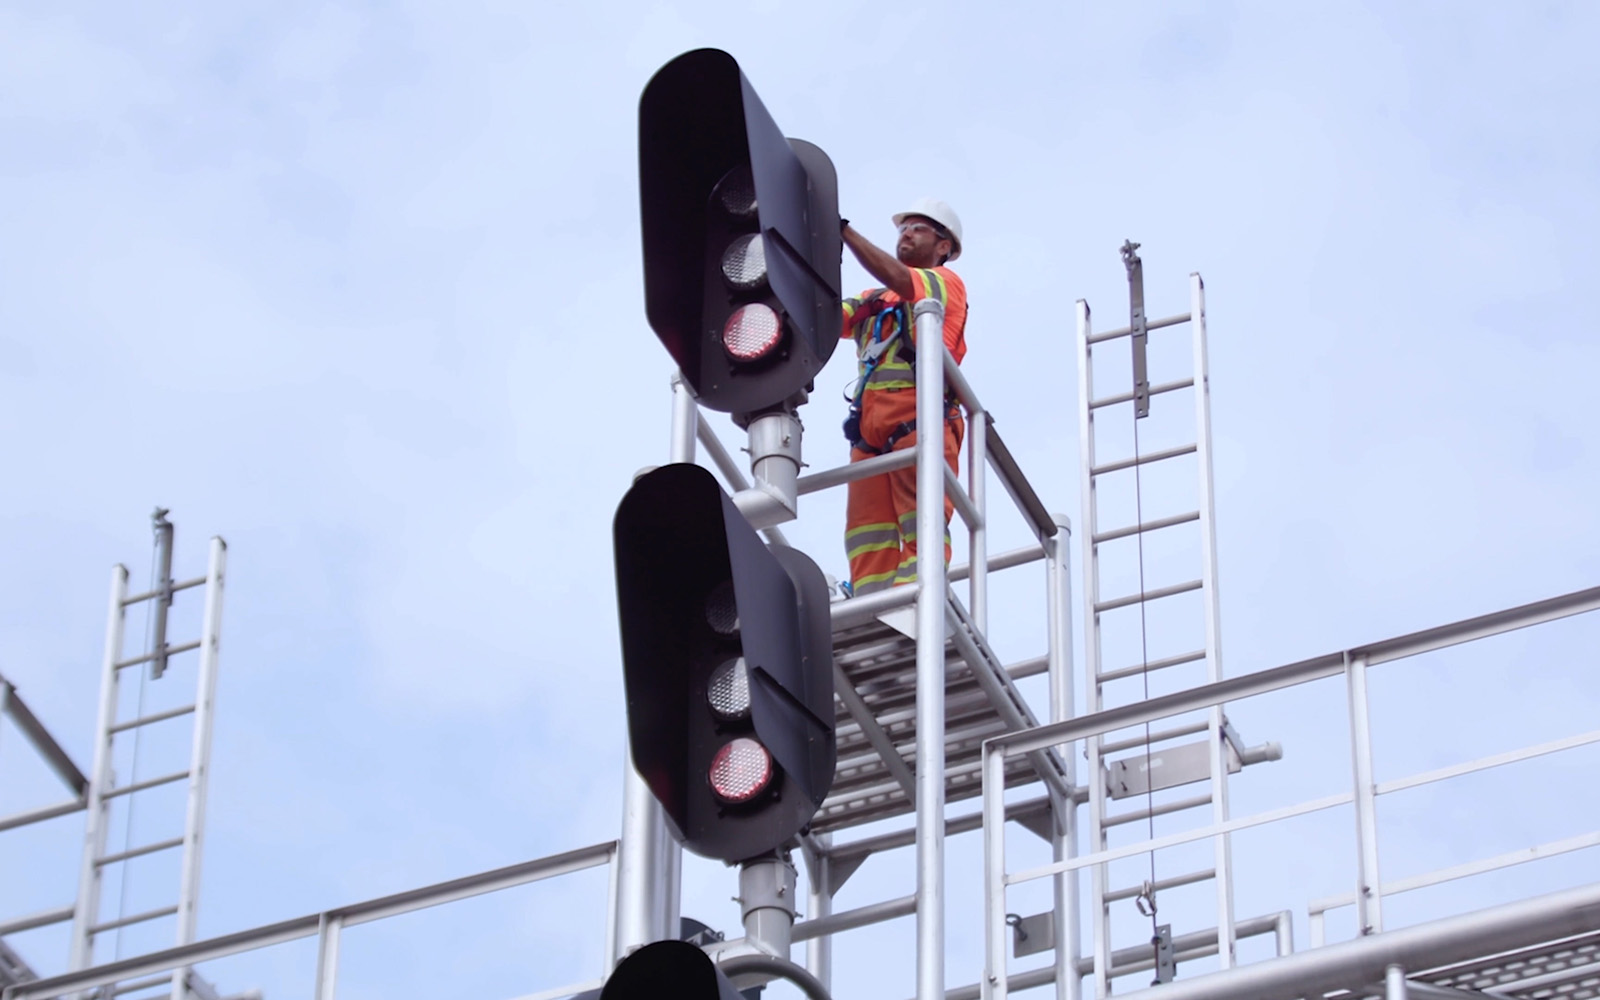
899 433
872 354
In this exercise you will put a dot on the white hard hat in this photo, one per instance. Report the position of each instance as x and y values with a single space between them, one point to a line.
939 212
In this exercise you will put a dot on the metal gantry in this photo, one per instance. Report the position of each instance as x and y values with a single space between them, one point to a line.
918 687
928 717
1539 947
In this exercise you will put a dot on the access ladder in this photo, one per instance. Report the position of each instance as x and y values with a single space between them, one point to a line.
1166 595
89 921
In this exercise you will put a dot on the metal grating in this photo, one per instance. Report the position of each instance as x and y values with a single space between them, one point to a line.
881 663
1568 969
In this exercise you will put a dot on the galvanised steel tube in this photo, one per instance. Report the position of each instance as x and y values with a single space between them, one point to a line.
94 841
819 873
822 927
1091 670
1369 890
1394 983
864 469
265 936
978 530
929 319
1213 619
993 985
1364 960
200 752
1064 833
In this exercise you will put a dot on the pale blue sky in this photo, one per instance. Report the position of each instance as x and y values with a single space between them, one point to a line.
357 286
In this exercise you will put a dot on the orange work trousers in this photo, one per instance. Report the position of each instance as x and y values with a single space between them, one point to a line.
880 534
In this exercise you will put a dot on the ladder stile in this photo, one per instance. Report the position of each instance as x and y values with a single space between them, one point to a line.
1091 597
1142 770
1213 620
200 756
88 921
87 909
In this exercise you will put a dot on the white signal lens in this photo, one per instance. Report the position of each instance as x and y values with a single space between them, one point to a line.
736 192
722 611
741 770
729 690
744 263
752 332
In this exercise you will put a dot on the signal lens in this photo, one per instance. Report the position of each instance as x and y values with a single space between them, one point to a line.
740 771
752 332
744 264
729 690
736 193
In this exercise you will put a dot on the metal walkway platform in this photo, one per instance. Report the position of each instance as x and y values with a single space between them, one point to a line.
876 677
1568 969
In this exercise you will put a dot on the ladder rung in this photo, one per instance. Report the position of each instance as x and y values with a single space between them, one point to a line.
1161 664
1160 884
1154 456
139 786
1155 390
1149 595
180 585
1156 525
1177 805
137 918
172 713
137 852
171 651
1156 737
1155 324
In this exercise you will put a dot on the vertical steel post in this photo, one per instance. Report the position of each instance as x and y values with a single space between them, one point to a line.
929 319
978 536
1369 893
993 986
1223 861
1064 835
819 873
612 885
87 911
1091 646
327 956
200 755
648 861
1284 933
1394 983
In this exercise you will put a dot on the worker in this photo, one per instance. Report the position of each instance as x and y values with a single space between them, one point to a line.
881 512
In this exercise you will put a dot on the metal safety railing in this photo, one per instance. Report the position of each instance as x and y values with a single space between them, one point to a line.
936 611
1369 890
328 926
986 450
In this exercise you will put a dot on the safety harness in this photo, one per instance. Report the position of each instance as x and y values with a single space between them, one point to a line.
872 354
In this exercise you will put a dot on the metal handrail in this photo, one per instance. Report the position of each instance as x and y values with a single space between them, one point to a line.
324 925
1353 663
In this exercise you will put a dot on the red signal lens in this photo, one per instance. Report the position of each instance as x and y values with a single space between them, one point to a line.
740 770
752 332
